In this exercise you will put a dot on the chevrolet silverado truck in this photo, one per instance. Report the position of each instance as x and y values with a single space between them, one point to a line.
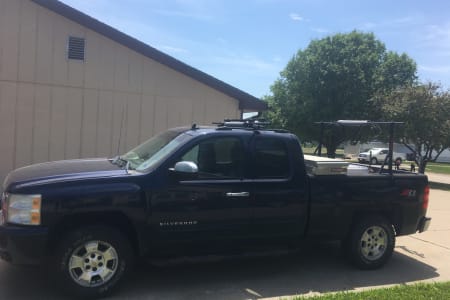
194 191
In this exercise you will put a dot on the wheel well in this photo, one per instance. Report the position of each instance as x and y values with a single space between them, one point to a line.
360 215
116 220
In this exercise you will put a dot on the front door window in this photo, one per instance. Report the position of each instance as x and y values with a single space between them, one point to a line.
218 158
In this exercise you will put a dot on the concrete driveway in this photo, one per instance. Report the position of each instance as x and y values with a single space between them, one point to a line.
316 269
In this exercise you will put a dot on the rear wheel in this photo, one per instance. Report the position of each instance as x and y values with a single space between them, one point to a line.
91 261
371 243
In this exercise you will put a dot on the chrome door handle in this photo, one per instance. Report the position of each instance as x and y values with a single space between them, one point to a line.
241 194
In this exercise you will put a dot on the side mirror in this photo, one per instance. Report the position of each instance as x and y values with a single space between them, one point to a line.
186 167
184 170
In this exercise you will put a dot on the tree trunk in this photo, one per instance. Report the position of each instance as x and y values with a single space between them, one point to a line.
331 151
422 166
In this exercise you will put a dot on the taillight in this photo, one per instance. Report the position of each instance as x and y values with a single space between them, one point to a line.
426 197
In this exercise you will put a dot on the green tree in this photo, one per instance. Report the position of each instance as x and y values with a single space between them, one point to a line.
335 78
425 109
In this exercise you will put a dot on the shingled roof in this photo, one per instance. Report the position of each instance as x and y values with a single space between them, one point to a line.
246 101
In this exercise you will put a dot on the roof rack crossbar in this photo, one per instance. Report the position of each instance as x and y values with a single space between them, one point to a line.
249 124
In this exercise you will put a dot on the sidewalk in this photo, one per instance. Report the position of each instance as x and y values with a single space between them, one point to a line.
440 178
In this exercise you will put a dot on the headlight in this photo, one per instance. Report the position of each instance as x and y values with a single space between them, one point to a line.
23 209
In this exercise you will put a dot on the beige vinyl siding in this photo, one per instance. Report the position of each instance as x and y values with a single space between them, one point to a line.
52 108
8 99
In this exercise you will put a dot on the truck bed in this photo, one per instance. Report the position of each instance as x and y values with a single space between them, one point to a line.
337 199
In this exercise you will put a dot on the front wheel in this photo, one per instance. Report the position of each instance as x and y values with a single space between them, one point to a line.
374 161
91 261
371 243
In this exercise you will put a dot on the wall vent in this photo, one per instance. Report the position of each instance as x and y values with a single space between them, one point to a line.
76 48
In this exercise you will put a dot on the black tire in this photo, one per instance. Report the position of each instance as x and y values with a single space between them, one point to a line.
373 161
371 243
104 255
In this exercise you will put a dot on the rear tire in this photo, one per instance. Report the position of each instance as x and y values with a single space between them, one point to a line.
371 243
91 261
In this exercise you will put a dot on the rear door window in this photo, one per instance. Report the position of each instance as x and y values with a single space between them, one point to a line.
270 159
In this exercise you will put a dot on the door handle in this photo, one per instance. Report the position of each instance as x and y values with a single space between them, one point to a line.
241 194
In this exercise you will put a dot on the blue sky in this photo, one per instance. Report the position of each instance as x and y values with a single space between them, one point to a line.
247 43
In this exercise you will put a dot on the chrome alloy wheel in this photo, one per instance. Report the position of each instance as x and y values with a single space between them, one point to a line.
373 243
93 264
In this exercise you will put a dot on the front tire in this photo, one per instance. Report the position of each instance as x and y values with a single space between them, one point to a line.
91 261
374 161
371 243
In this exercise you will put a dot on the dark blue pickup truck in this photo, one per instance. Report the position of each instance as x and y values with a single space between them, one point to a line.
195 191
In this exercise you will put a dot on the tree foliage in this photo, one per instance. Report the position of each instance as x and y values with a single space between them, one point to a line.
425 109
335 78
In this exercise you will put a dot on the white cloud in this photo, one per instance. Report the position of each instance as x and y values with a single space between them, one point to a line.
222 41
244 62
368 25
434 40
435 69
296 17
439 34
184 14
320 30
172 49
391 23
201 10
277 58
404 20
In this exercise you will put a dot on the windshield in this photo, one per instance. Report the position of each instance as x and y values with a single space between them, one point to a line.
155 150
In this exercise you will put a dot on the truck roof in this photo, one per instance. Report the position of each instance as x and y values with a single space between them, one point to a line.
238 127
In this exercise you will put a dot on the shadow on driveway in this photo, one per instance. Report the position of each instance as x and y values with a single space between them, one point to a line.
316 268
439 186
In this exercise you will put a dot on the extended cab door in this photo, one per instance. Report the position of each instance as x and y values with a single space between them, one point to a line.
215 205
279 187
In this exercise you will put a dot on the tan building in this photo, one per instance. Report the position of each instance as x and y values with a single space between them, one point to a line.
71 87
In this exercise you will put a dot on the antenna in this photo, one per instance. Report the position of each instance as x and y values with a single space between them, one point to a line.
121 127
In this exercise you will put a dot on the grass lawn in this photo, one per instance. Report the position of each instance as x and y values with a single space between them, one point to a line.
420 291
310 150
443 168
